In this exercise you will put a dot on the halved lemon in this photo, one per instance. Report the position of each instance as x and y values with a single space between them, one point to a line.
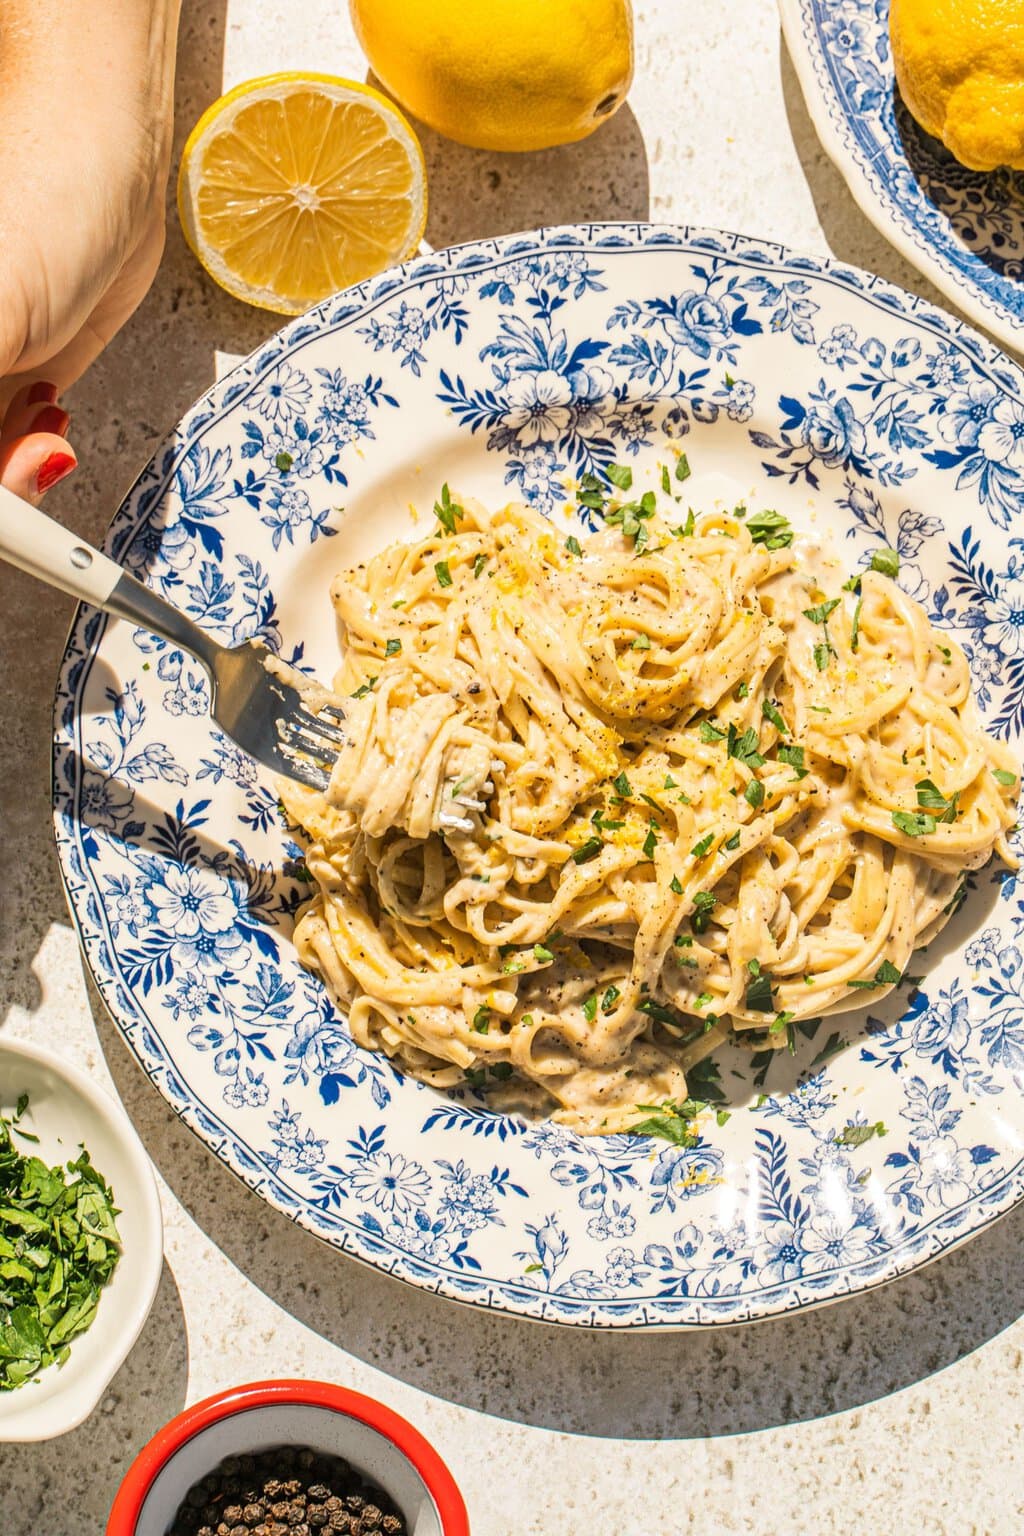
295 185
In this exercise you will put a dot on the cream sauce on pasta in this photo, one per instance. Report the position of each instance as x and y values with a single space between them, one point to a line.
601 808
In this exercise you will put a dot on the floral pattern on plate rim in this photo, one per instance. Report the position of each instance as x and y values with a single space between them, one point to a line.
553 353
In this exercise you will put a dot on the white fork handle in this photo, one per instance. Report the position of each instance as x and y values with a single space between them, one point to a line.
36 544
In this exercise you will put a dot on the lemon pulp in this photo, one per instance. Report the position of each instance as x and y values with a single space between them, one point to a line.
293 186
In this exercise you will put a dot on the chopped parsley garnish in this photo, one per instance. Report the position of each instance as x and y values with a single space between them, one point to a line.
946 653
886 976
610 998
666 483
703 1000
914 823
481 1020
632 517
650 841
587 851
856 1135
366 688
590 1008
392 648
754 793
710 733
620 475
443 574
704 1077
670 782
622 786
700 848
675 886
573 545
650 800
930 798
733 842
1002 776
821 709
759 989
591 493
59 1246
682 468
794 757
602 824
684 530
642 643
672 1122
770 529
744 748
770 711
659 1013
784 1021
704 903
542 954
819 615
886 562
447 511
683 941
513 967
478 564
743 690
283 461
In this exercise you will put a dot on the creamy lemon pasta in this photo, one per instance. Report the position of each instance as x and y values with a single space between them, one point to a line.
609 800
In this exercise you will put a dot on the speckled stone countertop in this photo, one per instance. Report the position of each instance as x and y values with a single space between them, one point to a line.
901 1412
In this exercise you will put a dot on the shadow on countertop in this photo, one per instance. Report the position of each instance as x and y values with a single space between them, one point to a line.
850 233
478 194
63 1486
659 1386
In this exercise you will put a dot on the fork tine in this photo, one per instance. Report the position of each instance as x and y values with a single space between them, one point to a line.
301 738
302 769
323 727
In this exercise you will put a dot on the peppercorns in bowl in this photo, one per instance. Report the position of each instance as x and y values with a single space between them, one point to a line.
287 1492
288 1458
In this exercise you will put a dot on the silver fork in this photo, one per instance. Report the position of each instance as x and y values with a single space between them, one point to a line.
269 719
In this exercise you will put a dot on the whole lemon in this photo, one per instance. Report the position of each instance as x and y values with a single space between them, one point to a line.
502 74
960 70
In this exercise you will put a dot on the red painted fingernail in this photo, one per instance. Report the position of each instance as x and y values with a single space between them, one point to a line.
42 393
51 419
53 468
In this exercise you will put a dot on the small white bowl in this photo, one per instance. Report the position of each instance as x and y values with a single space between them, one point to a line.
65 1109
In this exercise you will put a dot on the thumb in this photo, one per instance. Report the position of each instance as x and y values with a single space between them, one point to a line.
33 464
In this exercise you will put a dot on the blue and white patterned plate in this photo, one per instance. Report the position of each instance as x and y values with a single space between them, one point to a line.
963 229
508 368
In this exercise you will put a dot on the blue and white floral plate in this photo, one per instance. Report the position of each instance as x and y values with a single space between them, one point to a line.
963 229
507 369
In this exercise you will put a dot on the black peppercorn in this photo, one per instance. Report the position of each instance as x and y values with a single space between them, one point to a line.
286 1491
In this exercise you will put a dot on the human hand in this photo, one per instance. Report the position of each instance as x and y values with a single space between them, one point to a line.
33 452
85 130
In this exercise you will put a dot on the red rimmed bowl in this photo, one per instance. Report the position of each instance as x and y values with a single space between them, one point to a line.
375 1440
